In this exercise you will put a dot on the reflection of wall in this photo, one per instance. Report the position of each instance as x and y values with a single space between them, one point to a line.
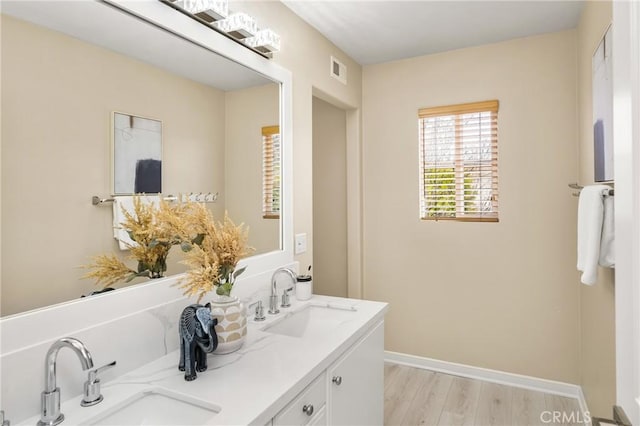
597 314
514 304
247 111
306 53
57 97
329 200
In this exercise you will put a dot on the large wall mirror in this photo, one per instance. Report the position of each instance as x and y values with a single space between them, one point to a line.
66 67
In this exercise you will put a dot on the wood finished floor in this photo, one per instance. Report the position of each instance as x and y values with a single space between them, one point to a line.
414 396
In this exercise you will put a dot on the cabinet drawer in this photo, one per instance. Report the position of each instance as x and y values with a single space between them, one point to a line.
314 395
319 419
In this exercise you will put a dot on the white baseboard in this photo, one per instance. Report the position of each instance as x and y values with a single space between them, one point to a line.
527 382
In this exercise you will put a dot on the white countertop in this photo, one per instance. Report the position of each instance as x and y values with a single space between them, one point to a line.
250 385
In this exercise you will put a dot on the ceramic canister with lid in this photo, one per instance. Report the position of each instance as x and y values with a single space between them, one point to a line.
304 287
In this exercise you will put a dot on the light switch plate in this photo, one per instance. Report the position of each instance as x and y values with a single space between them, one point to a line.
301 243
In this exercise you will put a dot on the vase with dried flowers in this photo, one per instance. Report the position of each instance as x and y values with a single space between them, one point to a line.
213 262
154 230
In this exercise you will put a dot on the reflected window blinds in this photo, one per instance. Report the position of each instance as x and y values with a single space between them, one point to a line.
459 162
271 172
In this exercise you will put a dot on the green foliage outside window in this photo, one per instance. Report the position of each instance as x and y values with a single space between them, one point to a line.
440 191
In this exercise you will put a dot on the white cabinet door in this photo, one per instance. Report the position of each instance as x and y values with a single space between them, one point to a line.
356 383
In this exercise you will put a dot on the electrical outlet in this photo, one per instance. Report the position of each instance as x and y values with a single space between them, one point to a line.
301 243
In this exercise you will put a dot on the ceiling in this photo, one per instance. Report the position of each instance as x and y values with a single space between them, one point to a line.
94 22
379 31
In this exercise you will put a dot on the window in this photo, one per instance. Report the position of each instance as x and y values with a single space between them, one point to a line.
459 162
271 172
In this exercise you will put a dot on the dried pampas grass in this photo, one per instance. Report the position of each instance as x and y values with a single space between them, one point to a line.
213 262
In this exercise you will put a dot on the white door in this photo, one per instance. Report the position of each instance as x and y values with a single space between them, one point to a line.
626 132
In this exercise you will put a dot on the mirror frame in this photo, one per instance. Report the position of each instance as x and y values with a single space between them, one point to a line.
163 16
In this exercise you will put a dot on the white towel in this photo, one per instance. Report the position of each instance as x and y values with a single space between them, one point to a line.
607 254
126 202
590 224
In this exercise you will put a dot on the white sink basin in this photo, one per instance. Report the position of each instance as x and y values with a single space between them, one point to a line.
311 320
158 407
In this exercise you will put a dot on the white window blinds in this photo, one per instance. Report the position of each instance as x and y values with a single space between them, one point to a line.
459 162
271 172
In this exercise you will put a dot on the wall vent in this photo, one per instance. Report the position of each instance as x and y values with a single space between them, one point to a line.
338 70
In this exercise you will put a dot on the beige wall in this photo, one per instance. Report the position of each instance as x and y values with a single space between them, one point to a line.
513 304
329 199
597 316
306 53
57 97
247 112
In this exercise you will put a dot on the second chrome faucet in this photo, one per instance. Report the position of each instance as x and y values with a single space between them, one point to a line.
273 300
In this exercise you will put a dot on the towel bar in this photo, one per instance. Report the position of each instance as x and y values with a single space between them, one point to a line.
200 197
609 193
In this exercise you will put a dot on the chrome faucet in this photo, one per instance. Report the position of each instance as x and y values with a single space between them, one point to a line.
273 300
4 422
51 414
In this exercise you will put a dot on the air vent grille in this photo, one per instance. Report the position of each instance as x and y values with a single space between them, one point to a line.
338 70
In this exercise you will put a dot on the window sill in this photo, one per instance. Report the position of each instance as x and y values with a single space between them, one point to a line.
462 219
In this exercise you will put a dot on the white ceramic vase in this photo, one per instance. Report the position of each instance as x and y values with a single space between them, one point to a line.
232 323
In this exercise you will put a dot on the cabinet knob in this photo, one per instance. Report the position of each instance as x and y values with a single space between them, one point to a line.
337 380
308 409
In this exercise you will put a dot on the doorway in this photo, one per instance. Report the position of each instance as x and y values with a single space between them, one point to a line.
330 270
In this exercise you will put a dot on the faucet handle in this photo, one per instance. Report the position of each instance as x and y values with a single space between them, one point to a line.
259 311
92 394
285 298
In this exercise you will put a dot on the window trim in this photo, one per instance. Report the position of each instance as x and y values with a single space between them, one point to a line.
468 108
457 110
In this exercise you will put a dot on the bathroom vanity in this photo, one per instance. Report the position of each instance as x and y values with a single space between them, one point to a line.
317 362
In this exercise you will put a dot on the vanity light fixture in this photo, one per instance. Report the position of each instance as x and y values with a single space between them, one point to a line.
266 41
208 10
238 25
